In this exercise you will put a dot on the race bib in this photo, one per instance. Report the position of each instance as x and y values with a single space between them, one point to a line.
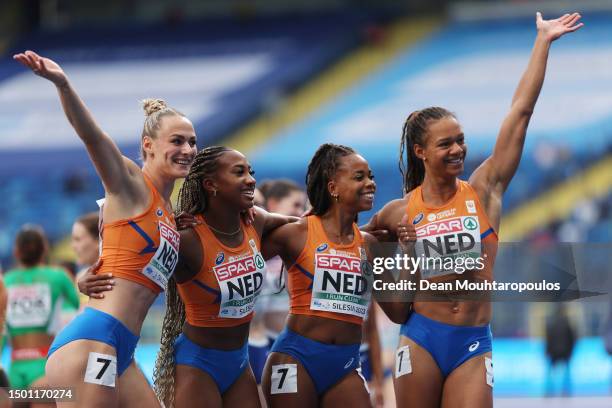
240 282
339 285
162 264
29 306
444 245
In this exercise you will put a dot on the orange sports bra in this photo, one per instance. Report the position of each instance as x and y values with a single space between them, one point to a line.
327 279
456 231
142 249
224 291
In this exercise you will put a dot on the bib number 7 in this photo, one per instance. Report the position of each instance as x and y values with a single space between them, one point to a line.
284 379
101 369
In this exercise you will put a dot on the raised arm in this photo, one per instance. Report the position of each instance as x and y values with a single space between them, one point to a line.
495 173
119 175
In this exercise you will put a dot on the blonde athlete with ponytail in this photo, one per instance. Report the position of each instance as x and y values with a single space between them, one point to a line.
203 359
444 358
94 353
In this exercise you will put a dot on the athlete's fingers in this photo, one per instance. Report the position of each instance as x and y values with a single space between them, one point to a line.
32 59
99 288
574 28
102 283
573 19
185 220
22 60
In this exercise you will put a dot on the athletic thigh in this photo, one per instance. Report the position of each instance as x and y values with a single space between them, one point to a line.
350 391
420 381
67 368
284 395
243 392
467 385
134 389
195 388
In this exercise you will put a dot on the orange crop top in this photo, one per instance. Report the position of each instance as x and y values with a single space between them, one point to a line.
327 278
224 291
142 249
457 229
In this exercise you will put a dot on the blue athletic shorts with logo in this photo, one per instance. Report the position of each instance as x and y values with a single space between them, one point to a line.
224 366
325 363
93 324
450 346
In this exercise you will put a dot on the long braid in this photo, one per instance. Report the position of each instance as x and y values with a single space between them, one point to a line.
321 169
163 374
192 199
414 132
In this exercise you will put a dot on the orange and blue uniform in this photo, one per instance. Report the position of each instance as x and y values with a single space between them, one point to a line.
142 249
221 294
457 231
327 280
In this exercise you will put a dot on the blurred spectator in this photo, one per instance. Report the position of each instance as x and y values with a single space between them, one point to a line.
560 340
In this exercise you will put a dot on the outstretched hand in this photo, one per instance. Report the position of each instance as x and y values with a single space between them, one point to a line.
553 29
43 67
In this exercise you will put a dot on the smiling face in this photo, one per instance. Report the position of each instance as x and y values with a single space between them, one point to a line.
233 181
444 150
353 184
172 151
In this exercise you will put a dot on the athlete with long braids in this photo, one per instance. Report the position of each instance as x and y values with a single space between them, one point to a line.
314 360
219 277
444 357
139 247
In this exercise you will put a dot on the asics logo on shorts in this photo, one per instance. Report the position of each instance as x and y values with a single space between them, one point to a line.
347 365
474 346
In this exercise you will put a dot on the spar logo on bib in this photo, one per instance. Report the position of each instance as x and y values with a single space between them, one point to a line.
448 237
470 223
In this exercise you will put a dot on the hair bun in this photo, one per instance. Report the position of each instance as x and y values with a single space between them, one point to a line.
151 105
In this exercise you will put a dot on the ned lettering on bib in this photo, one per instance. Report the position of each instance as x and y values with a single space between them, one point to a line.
447 240
240 282
339 286
162 264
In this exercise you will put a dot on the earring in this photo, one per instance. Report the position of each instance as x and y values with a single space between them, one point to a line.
336 197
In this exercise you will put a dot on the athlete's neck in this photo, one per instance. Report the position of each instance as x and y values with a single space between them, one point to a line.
163 185
222 218
438 191
338 224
